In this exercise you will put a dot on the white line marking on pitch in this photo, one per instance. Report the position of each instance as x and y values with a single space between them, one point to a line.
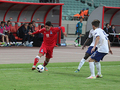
83 53
57 67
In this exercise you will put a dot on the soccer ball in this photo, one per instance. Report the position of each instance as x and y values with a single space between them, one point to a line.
76 44
40 68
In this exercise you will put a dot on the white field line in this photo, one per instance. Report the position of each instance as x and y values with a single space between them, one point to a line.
57 67
83 53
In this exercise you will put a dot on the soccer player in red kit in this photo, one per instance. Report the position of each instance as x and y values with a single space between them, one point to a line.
49 41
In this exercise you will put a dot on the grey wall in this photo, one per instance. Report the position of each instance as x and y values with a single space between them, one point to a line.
96 14
70 26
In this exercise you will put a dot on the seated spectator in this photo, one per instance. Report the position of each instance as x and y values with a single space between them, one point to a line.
30 29
111 30
10 34
82 13
23 33
106 28
38 39
33 26
2 33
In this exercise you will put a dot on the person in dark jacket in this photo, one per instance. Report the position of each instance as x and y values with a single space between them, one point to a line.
23 33
111 30
106 28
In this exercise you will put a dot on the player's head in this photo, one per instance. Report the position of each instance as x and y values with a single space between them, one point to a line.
107 25
48 25
113 26
8 22
42 26
26 25
30 24
95 24
2 23
33 23
80 19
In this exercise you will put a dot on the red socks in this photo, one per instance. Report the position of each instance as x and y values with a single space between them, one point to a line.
36 60
45 63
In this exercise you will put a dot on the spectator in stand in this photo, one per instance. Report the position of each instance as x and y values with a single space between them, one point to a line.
86 12
30 29
2 33
111 30
23 33
33 26
106 28
10 34
82 13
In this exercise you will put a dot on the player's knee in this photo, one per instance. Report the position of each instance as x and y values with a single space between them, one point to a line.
40 54
86 56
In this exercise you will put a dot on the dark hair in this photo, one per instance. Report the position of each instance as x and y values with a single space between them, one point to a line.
96 23
30 23
112 25
8 21
80 18
106 24
25 24
42 26
2 22
52 25
48 23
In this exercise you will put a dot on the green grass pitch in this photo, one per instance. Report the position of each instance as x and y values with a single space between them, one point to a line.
61 76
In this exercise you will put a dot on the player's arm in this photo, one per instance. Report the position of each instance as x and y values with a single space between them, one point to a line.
62 29
109 47
39 31
87 40
96 42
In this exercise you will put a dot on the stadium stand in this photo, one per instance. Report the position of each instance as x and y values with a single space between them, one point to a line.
72 7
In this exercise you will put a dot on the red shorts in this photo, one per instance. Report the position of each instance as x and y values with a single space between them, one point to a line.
47 50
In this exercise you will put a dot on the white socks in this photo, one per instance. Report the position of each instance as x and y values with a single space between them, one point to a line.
92 68
81 63
98 66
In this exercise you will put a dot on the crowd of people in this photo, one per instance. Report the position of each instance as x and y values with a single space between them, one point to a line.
83 14
109 30
8 39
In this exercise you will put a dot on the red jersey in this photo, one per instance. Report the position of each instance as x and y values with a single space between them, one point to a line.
49 38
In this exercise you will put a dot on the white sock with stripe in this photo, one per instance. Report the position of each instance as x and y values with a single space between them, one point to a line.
92 68
81 63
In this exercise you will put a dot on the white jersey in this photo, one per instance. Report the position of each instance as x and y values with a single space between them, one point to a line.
103 42
91 34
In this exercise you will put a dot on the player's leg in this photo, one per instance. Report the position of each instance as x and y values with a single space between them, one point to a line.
98 66
7 40
41 53
79 40
82 61
36 60
87 54
49 54
3 38
45 63
92 69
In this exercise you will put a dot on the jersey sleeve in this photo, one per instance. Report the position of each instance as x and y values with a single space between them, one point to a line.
96 33
57 29
39 31
90 35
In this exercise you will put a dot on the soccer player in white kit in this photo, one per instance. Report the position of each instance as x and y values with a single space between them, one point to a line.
103 48
88 52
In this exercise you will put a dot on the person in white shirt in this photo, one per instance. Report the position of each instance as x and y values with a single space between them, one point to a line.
103 44
88 52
